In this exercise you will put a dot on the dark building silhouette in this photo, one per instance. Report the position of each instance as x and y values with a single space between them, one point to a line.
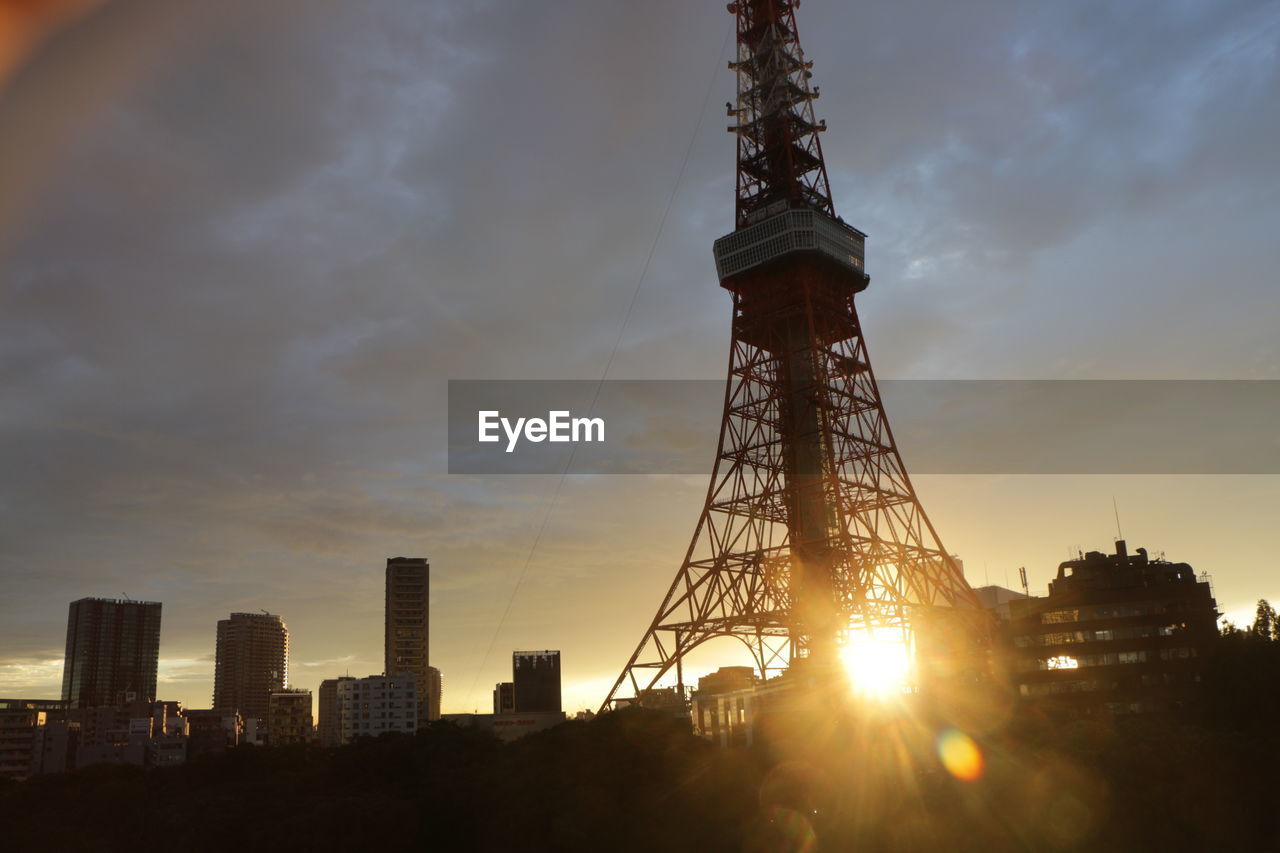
329 727
252 662
212 730
725 705
504 698
406 628
113 651
54 746
19 722
536 677
432 694
1118 633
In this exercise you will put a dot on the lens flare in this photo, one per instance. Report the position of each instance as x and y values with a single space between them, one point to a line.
960 755
878 663
789 830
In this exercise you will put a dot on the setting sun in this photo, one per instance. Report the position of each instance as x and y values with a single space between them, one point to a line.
878 662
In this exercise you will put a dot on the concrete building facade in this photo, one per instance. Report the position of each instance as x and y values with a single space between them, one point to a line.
212 730
1118 633
376 705
329 725
289 718
54 746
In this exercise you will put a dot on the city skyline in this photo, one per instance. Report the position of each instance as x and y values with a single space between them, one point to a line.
1045 198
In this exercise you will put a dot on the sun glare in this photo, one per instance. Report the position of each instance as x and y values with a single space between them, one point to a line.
878 663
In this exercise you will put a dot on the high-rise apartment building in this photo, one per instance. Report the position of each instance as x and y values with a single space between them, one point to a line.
406 624
113 651
432 695
252 663
536 676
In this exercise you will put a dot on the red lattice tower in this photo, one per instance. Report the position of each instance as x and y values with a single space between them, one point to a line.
811 530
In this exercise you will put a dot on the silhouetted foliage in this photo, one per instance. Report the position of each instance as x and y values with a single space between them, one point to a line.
1264 623
638 780
1242 682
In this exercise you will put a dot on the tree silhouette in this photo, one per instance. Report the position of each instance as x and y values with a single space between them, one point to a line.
1265 626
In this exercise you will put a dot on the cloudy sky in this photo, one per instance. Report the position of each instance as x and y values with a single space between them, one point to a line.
244 245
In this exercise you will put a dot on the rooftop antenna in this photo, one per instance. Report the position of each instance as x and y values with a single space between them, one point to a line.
1022 573
1116 508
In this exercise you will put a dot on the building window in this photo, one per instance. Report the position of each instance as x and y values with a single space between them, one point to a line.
1053 617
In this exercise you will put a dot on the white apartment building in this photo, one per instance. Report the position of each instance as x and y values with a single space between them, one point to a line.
368 707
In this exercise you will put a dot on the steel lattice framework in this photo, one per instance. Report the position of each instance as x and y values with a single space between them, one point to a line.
811 528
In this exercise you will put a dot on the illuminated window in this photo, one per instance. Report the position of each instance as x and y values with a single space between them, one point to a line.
1062 662
1058 616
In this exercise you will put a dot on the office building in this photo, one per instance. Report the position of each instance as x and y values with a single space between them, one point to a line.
252 662
536 677
289 717
368 707
113 651
1117 634
406 625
